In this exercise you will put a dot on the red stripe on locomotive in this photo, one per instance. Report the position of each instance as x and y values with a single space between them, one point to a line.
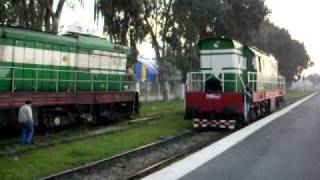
206 102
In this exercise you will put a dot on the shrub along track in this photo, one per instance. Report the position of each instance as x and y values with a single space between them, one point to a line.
143 160
55 139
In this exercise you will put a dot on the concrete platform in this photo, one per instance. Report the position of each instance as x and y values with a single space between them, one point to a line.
284 145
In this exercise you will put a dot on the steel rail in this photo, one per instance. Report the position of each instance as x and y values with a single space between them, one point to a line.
157 166
93 165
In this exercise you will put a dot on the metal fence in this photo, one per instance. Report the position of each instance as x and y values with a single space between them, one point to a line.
152 91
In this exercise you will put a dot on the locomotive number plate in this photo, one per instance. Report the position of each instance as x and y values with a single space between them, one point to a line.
213 96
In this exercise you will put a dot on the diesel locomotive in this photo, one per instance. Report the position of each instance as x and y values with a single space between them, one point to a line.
69 78
215 96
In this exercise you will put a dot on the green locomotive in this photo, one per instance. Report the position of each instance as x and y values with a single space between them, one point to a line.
67 77
215 95
36 61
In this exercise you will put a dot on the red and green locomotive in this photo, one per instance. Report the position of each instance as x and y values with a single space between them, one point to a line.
235 85
70 79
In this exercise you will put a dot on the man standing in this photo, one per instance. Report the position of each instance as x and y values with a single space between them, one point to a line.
248 101
26 121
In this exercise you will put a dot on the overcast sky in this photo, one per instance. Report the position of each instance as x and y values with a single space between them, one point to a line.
300 17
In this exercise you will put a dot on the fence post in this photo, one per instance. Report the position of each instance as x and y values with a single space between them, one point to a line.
183 91
146 91
158 90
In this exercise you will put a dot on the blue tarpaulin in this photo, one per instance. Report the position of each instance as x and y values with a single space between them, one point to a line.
145 70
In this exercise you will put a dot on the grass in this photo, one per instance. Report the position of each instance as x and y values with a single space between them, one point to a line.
44 162
294 95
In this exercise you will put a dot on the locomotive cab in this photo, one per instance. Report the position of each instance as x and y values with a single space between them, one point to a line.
215 94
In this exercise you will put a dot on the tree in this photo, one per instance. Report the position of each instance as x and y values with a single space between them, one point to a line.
123 22
241 18
291 54
158 17
199 19
52 17
194 20
34 14
29 14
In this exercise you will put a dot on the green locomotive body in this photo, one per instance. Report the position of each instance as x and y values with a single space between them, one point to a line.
70 79
215 94
237 65
37 61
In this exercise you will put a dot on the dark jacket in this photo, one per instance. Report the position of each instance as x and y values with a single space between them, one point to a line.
248 95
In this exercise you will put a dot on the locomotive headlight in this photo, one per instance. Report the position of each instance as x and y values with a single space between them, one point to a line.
57 121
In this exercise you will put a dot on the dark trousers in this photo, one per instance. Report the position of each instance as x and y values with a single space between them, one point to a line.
26 133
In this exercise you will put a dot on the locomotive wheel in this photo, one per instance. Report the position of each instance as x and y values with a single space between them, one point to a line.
91 119
47 121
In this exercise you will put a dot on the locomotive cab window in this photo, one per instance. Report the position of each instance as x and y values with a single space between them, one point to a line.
213 85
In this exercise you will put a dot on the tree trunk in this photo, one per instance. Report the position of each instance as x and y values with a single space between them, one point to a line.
55 24
161 72
56 16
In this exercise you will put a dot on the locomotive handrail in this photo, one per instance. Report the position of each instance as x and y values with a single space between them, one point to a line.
243 85
56 70
267 82
122 82
196 81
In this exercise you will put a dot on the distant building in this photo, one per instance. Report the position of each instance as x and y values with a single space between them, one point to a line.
146 70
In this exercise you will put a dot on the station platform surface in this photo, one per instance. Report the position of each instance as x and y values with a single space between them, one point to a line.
284 146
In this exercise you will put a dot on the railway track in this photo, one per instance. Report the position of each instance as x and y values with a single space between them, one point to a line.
39 143
142 161
53 140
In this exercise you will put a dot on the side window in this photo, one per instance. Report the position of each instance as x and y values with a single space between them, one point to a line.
56 55
7 51
83 59
39 53
259 68
113 63
105 62
243 62
72 56
19 51
48 54
95 61
253 65
65 56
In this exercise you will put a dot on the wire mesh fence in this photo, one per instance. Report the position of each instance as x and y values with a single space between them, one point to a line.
153 91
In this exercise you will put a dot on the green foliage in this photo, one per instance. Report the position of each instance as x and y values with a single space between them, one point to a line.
123 22
174 28
291 54
34 14
199 19
29 14
194 20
